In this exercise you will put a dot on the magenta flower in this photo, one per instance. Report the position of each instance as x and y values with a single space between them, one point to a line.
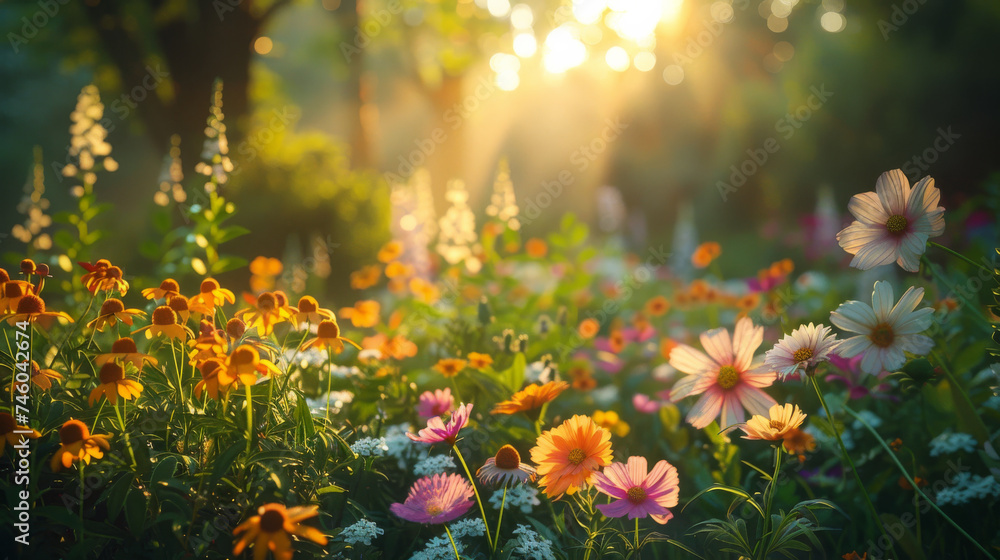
636 493
435 404
437 431
435 499
644 404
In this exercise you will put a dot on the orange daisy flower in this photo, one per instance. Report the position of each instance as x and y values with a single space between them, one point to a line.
366 277
43 377
612 422
13 291
505 468
589 328
396 269
168 288
210 370
32 308
748 302
244 364
113 383
180 306
424 291
125 351
210 343
397 347
112 311
364 313
78 444
265 314
309 311
450 367
479 361
7 435
531 397
272 529
210 295
569 454
164 322
328 336
657 306
798 441
705 254
105 278
390 252
536 248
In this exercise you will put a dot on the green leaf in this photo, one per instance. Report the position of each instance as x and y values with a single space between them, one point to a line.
231 232
116 495
135 511
225 459
163 470
333 488
226 264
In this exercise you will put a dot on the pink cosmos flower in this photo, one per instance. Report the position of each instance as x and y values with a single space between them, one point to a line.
893 223
437 431
436 499
804 348
636 493
435 404
726 377
644 404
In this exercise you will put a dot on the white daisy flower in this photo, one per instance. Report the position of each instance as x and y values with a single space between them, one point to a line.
893 223
884 330
801 350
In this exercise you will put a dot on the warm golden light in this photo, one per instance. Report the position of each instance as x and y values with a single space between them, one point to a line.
263 45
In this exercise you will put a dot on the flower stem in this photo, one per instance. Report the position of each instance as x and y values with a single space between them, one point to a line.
637 535
453 545
854 470
81 465
914 484
475 490
503 502
769 493
249 417
329 384
961 256
128 442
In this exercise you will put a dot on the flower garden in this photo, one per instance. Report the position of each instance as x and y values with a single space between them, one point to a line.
486 393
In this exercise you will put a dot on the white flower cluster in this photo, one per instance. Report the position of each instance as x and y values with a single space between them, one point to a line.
968 487
434 464
531 545
438 548
361 532
870 417
370 447
313 357
400 446
337 400
467 528
523 497
950 442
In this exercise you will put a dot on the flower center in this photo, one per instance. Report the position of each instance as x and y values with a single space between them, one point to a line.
280 299
163 316
266 301
178 303
209 369
307 305
72 432
433 510
328 329
6 423
882 335
12 289
636 495
111 373
170 285
802 354
209 285
27 266
896 224
30 304
235 328
4 276
272 521
112 306
124 346
245 355
102 264
777 425
508 458
576 456
728 377
114 273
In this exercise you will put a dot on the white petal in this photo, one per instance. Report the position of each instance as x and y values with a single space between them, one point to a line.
917 344
882 300
853 316
857 235
907 303
893 191
923 198
746 340
867 209
871 362
690 360
718 345
877 253
853 346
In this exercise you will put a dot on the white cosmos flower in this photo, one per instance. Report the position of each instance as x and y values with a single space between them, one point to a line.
893 223
884 330
800 350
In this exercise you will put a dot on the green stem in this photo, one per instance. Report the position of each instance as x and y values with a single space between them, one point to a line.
769 495
961 256
475 490
637 535
82 480
503 502
128 441
854 470
249 417
453 545
916 488
329 385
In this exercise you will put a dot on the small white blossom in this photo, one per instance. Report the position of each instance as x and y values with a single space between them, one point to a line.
522 496
434 464
968 487
467 528
531 545
950 442
438 548
370 447
361 532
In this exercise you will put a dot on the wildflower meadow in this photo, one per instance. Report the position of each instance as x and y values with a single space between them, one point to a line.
446 374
